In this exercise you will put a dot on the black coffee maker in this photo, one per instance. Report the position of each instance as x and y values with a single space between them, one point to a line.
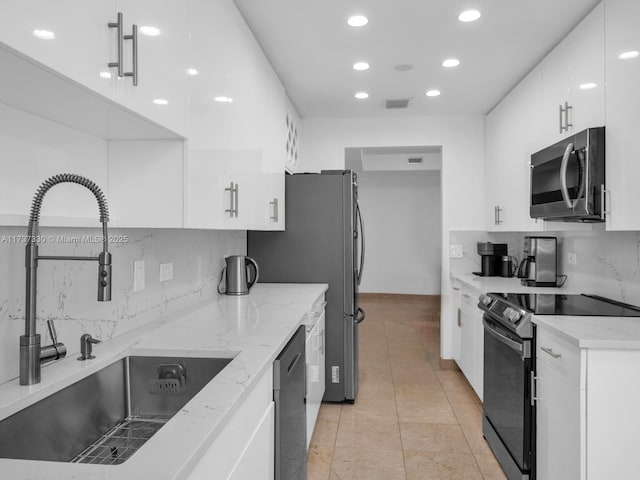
492 259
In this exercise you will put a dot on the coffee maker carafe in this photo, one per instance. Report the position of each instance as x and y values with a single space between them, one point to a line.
539 266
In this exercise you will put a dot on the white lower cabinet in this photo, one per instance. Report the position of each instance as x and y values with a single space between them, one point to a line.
586 407
471 340
314 353
558 409
245 447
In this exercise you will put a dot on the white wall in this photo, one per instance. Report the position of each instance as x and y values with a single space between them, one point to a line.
402 216
462 140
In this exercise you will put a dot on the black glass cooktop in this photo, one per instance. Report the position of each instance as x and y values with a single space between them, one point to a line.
556 304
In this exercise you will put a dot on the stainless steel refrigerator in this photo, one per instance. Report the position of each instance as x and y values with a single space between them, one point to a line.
323 243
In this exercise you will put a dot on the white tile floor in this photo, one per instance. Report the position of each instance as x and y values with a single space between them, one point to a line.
411 419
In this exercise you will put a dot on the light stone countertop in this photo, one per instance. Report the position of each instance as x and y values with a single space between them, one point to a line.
251 329
583 331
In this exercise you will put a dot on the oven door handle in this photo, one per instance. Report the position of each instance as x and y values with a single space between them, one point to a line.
518 347
563 176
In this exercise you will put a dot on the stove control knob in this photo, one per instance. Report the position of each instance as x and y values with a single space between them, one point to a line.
507 312
514 316
486 300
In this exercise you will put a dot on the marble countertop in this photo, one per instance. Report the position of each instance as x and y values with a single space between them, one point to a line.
251 329
582 331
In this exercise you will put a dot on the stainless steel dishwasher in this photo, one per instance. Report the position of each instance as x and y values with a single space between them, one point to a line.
289 385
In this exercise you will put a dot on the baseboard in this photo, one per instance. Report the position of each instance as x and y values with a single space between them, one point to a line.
397 296
448 364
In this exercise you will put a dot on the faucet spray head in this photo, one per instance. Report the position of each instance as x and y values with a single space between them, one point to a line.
104 277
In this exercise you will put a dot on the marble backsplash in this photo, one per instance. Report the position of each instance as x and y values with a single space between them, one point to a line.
67 290
608 263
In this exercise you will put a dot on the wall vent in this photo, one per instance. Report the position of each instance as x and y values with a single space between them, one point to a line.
414 160
398 103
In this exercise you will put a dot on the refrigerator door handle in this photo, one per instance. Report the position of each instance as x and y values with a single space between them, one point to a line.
360 315
362 244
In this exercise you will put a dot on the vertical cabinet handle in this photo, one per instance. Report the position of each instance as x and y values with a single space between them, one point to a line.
603 204
534 392
233 200
274 217
560 122
564 123
118 25
496 214
134 68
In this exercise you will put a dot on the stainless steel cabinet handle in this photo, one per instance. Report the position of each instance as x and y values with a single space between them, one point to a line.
118 25
497 211
564 126
134 69
603 204
561 111
550 352
233 199
459 317
455 288
465 295
274 217
534 397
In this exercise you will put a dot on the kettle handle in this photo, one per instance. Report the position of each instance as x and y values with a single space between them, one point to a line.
251 261
220 290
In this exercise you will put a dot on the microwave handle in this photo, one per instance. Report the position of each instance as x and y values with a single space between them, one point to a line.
563 175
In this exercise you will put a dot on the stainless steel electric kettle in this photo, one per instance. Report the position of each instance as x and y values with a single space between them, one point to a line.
236 275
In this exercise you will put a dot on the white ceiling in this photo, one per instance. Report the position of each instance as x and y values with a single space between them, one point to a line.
313 49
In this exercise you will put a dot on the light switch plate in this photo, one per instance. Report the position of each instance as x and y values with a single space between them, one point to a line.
455 251
166 271
138 275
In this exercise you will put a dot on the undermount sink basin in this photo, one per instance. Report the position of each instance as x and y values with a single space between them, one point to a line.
105 417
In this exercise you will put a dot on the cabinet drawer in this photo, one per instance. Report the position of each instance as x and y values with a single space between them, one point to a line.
559 354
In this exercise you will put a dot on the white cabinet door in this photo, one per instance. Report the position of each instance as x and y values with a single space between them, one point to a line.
512 135
269 202
558 426
456 319
315 373
478 383
71 37
468 340
623 120
162 91
573 74
257 460
558 408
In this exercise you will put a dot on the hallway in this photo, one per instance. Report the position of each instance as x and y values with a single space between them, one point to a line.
411 419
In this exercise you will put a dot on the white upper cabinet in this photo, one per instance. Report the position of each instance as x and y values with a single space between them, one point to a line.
512 134
71 37
161 53
573 81
236 147
623 114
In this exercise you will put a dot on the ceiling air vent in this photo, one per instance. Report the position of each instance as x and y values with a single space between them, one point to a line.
399 103
414 160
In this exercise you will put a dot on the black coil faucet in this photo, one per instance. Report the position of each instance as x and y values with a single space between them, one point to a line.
32 355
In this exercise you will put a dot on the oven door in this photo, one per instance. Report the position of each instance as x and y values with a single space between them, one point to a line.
507 397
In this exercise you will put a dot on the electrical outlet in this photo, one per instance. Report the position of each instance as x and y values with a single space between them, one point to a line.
166 271
572 258
138 275
455 251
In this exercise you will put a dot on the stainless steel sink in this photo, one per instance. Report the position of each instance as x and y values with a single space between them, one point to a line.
105 417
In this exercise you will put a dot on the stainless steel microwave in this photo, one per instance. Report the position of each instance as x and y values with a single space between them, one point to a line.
567 179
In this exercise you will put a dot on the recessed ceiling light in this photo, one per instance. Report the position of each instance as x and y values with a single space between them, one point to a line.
149 31
361 95
628 55
451 62
105 75
361 66
161 101
358 21
192 71
469 16
44 34
588 86
223 99
433 93
403 67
